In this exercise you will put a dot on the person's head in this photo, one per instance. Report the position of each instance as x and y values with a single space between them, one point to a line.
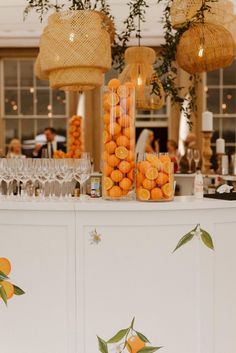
190 140
50 134
171 146
15 147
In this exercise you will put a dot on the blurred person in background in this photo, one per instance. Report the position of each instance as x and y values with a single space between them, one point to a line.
15 149
172 149
47 150
146 142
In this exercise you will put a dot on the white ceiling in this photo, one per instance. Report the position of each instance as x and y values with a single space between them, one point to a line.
14 31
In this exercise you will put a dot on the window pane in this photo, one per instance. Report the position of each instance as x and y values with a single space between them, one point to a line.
11 102
42 83
229 101
27 105
216 128
213 78
10 73
42 124
27 129
229 75
213 100
26 73
43 102
11 129
59 103
60 126
229 129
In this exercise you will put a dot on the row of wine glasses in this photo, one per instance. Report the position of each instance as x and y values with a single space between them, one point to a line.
193 155
48 178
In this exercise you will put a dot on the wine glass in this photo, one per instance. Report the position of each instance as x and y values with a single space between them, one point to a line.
196 157
81 174
7 174
189 156
178 157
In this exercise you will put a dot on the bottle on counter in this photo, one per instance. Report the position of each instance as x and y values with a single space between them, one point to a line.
198 185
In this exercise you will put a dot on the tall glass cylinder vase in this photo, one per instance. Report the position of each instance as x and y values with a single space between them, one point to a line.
118 157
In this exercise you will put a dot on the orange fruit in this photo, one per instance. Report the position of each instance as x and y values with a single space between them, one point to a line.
130 175
107 170
106 137
125 120
167 190
139 179
124 167
113 161
116 176
106 105
5 266
107 183
110 147
115 111
129 132
130 157
72 129
149 184
153 159
156 194
113 99
114 128
167 167
106 118
9 289
130 85
76 134
115 192
123 91
113 84
162 179
105 156
122 141
143 194
125 184
164 158
143 166
121 152
125 192
151 173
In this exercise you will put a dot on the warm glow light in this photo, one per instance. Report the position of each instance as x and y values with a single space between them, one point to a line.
201 52
229 96
139 81
224 106
49 107
14 107
49 115
31 89
72 37
205 89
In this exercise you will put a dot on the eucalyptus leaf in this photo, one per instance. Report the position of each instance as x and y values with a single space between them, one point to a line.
3 294
119 335
132 322
185 239
149 349
18 290
207 239
142 337
102 345
3 276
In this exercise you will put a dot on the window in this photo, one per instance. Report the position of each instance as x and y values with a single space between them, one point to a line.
220 98
28 104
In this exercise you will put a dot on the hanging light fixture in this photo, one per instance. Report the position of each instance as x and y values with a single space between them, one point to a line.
139 70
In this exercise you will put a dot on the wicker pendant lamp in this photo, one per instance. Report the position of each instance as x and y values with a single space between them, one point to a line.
139 69
205 47
75 50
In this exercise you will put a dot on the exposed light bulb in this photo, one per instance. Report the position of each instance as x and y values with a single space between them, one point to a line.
139 81
201 51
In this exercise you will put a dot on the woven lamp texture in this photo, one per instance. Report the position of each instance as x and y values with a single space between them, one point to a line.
38 70
139 69
75 50
213 41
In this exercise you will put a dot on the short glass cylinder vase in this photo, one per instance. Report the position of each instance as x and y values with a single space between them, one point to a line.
154 177
118 156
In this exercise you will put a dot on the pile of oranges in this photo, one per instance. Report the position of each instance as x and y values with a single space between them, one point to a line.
154 179
5 267
118 139
75 142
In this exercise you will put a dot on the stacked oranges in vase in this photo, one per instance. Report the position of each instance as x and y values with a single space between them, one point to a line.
75 132
118 158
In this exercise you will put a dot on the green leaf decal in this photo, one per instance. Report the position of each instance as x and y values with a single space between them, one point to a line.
3 294
132 322
102 345
207 239
3 276
119 335
185 239
18 291
149 349
142 337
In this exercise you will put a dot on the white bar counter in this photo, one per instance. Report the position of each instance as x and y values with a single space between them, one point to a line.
77 289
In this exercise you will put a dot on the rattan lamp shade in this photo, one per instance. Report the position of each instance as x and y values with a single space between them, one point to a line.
75 50
38 70
139 69
205 47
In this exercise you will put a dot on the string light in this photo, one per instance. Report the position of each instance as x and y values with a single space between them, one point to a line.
72 37
31 89
201 51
